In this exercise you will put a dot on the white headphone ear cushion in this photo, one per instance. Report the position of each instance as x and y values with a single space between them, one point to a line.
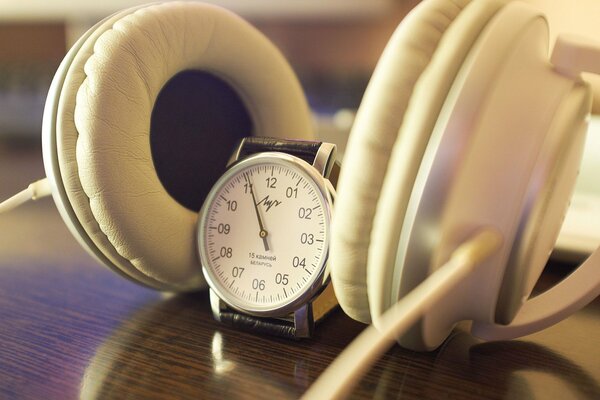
120 192
373 135
60 138
407 154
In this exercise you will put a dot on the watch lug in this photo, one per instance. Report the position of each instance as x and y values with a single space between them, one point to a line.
304 321
325 158
236 153
216 305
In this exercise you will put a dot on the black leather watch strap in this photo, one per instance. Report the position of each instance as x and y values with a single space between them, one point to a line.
267 326
304 150
306 318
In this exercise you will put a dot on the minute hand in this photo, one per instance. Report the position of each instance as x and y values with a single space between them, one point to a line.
263 232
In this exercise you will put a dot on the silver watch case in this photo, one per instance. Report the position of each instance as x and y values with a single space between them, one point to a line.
318 172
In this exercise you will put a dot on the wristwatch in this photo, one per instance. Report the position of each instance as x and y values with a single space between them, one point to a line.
263 236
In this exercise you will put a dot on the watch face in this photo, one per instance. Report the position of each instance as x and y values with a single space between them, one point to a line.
263 234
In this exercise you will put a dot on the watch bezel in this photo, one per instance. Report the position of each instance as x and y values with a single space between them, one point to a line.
321 278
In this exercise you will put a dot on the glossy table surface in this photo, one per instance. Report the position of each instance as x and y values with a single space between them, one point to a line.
70 328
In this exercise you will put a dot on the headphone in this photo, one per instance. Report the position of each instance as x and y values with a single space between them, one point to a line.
467 138
465 125
103 156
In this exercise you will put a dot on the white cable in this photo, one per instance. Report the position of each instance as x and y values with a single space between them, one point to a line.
347 369
34 191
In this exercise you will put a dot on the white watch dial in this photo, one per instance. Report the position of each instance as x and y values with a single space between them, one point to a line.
264 234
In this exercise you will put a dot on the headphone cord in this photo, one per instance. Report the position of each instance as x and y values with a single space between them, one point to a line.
338 380
34 191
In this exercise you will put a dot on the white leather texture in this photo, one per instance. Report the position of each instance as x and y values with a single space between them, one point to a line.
103 127
376 129
59 139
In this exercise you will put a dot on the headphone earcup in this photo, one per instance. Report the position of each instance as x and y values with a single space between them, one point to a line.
372 138
98 150
427 102
479 169
452 153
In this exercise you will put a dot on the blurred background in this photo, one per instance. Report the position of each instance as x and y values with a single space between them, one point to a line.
332 45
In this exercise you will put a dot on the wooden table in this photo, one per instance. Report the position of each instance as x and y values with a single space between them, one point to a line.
70 328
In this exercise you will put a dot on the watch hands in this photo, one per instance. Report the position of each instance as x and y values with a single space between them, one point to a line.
263 232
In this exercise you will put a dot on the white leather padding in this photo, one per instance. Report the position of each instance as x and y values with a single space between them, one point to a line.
425 105
104 122
373 135
59 138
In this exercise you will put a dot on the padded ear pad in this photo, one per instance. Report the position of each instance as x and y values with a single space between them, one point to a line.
372 138
425 105
102 163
